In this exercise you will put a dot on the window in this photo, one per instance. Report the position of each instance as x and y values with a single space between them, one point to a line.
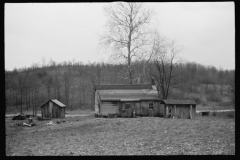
127 105
151 105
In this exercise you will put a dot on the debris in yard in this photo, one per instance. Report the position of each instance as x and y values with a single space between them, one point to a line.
58 122
19 117
50 123
18 124
30 120
27 124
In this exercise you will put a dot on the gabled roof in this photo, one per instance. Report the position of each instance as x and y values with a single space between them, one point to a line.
127 95
170 101
60 104
124 87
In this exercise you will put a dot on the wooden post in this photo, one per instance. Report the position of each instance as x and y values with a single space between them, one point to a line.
175 111
190 111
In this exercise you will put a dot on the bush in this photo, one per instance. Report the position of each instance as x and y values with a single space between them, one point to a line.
214 98
198 100
230 114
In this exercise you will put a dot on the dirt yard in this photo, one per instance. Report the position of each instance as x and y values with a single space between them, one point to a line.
87 135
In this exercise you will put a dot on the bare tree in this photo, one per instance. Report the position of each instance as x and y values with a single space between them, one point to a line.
22 78
165 59
35 91
127 34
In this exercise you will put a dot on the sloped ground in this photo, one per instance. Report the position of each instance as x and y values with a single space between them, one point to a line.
123 136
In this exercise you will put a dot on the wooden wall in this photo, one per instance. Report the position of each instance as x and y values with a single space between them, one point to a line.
109 107
141 108
182 111
97 103
52 110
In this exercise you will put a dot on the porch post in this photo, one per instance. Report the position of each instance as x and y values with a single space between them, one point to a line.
175 111
190 111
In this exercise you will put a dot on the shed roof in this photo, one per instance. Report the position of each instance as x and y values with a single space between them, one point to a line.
124 87
170 101
60 104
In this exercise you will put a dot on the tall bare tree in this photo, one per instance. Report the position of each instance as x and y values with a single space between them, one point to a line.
128 34
162 70
23 78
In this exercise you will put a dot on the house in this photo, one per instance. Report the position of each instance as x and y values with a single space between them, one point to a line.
122 100
180 108
53 109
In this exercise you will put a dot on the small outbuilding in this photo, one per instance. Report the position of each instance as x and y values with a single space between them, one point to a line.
53 109
185 109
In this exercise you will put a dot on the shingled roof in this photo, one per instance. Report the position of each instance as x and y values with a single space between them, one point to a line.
170 101
124 87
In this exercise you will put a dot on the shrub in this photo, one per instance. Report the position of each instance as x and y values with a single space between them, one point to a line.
214 98
198 100
230 114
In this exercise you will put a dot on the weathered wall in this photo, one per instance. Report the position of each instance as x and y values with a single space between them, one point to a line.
45 111
96 103
182 111
141 108
52 110
109 107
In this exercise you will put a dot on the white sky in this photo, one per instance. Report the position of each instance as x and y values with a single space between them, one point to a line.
67 31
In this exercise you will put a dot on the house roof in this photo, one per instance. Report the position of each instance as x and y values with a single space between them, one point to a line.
128 95
60 104
170 101
124 87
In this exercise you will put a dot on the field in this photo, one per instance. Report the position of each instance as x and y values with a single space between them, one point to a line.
87 135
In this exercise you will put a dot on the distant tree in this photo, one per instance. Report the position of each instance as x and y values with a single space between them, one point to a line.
66 84
48 83
127 34
232 87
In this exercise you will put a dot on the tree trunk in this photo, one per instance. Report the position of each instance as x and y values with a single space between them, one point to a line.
21 105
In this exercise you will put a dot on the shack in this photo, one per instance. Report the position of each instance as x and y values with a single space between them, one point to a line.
53 109
185 109
123 100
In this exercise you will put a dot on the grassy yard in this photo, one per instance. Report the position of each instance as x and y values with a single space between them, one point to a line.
123 136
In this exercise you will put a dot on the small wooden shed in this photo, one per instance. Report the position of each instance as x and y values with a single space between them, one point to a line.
53 109
185 109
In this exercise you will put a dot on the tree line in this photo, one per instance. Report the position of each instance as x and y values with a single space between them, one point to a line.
74 83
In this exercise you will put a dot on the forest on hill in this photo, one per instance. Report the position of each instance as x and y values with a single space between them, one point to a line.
73 83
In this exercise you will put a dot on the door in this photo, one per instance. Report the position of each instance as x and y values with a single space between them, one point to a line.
161 109
138 108
128 109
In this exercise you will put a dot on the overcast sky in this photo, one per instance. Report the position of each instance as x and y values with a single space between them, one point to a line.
69 31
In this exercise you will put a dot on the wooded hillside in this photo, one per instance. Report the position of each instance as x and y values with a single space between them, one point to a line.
73 83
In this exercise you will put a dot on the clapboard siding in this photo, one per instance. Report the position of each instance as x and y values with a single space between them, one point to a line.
109 107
